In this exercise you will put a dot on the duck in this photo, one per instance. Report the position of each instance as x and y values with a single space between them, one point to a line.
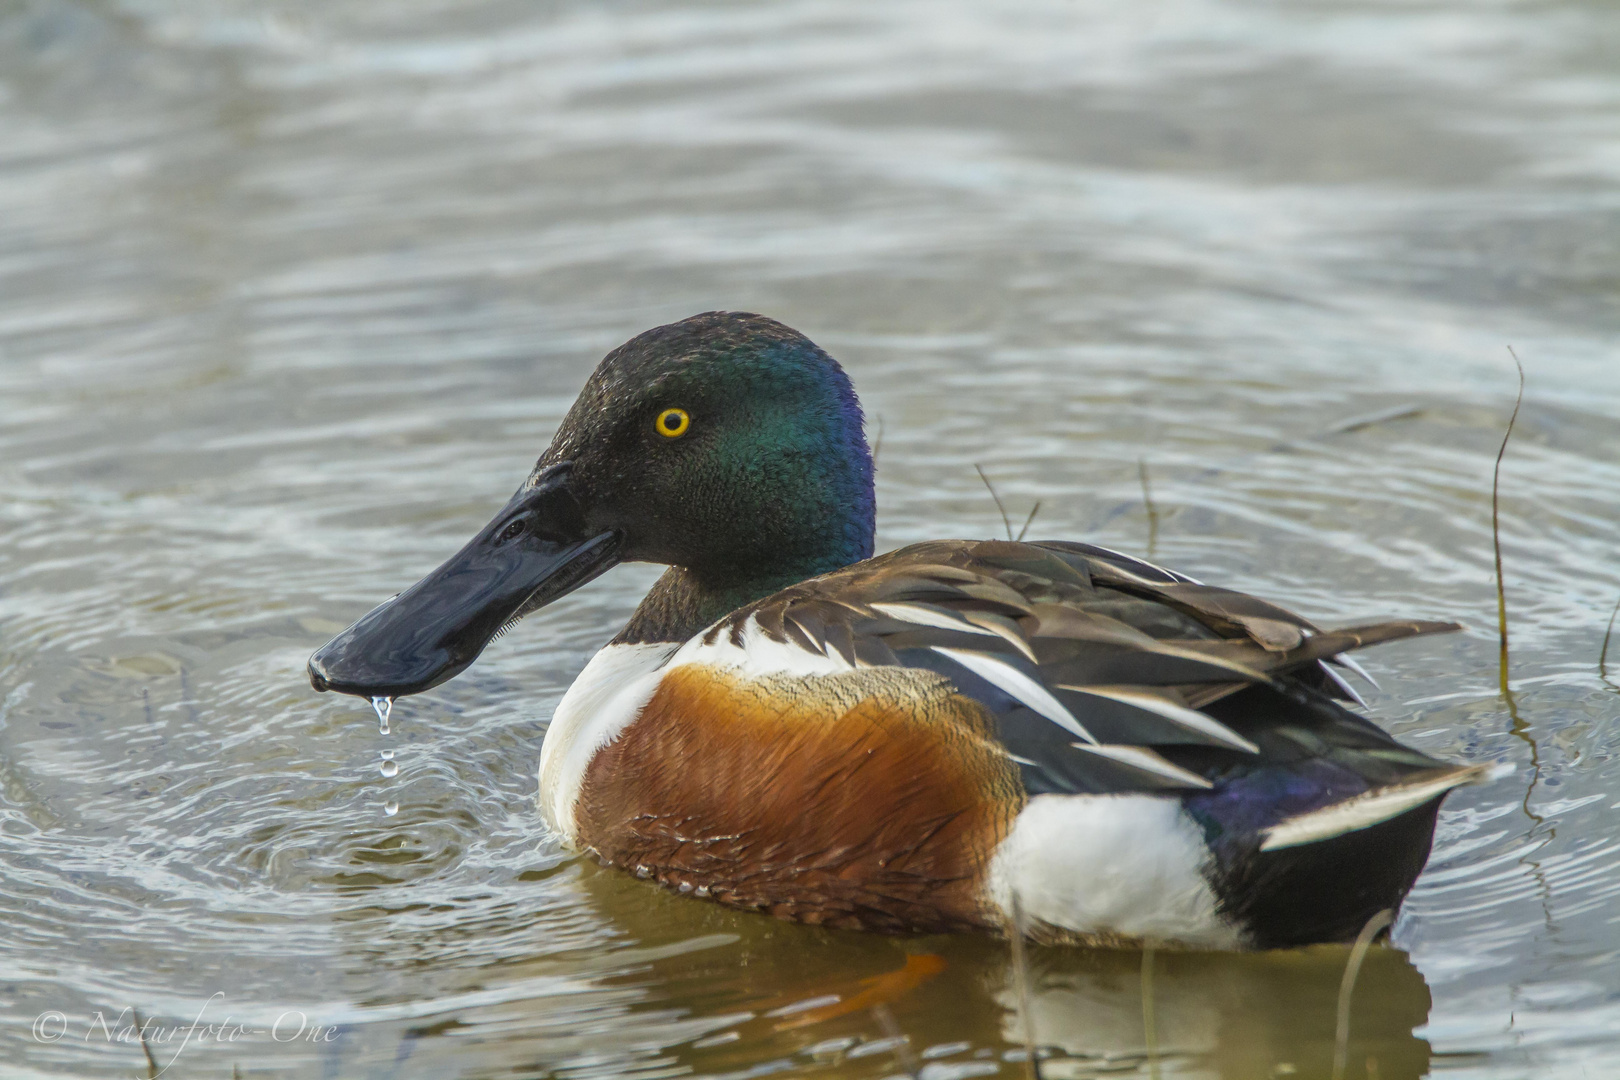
1048 738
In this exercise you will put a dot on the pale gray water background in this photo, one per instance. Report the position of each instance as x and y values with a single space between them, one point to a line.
292 296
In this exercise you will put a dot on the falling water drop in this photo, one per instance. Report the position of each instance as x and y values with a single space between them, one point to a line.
389 768
384 706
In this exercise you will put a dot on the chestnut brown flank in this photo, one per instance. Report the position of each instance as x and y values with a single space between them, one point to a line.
869 800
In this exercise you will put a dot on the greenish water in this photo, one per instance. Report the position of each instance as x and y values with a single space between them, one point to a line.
292 296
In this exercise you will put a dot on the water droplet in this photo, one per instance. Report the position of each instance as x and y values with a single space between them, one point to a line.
390 807
388 755
384 706
389 768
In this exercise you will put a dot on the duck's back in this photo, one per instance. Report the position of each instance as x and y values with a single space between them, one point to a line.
926 739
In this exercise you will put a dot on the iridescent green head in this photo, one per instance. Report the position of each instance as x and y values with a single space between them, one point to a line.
727 446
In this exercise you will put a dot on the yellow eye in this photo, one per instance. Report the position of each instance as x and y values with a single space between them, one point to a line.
672 423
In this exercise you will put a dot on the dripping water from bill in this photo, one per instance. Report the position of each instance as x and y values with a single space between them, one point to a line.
389 768
384 707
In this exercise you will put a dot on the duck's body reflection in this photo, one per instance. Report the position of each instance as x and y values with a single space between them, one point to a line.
1215 1015
673 985
1222 1014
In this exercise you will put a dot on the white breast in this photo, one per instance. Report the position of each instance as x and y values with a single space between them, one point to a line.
617 684
1125 865
610 693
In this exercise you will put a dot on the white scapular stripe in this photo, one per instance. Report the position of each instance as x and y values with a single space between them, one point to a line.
1126 865
1366 810
1140 757
758 655
1166 571
1006 633
1345 660
1339 681
927 616
1191 719
1008 678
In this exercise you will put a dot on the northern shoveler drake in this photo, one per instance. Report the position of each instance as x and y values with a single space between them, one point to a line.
929 740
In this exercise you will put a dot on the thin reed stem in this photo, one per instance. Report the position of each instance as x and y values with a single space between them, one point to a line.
1029 520
1150 1029
1021 977
902 1046
1496 534
1152 510
1005 520
1347 985
1603 654
140 1033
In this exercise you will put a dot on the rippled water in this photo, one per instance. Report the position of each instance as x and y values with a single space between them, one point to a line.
291 297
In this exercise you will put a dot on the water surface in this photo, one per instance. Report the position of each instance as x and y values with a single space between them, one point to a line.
292 296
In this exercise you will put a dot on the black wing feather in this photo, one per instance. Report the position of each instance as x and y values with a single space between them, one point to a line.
1119 643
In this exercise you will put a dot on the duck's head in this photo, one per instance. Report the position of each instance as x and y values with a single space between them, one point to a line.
727 446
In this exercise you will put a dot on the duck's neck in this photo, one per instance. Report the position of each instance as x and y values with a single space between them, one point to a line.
682 603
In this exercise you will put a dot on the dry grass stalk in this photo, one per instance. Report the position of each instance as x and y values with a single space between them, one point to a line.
1496 532
140 1033
1603 654
902 1046
1020 960
1005 520
1347 985
1152 510
1029 520
1150 1030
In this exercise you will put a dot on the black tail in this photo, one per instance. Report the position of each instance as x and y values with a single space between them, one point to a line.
1326 890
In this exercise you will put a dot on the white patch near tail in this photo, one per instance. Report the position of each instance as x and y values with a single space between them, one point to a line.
1124 865
608 694
1366 810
